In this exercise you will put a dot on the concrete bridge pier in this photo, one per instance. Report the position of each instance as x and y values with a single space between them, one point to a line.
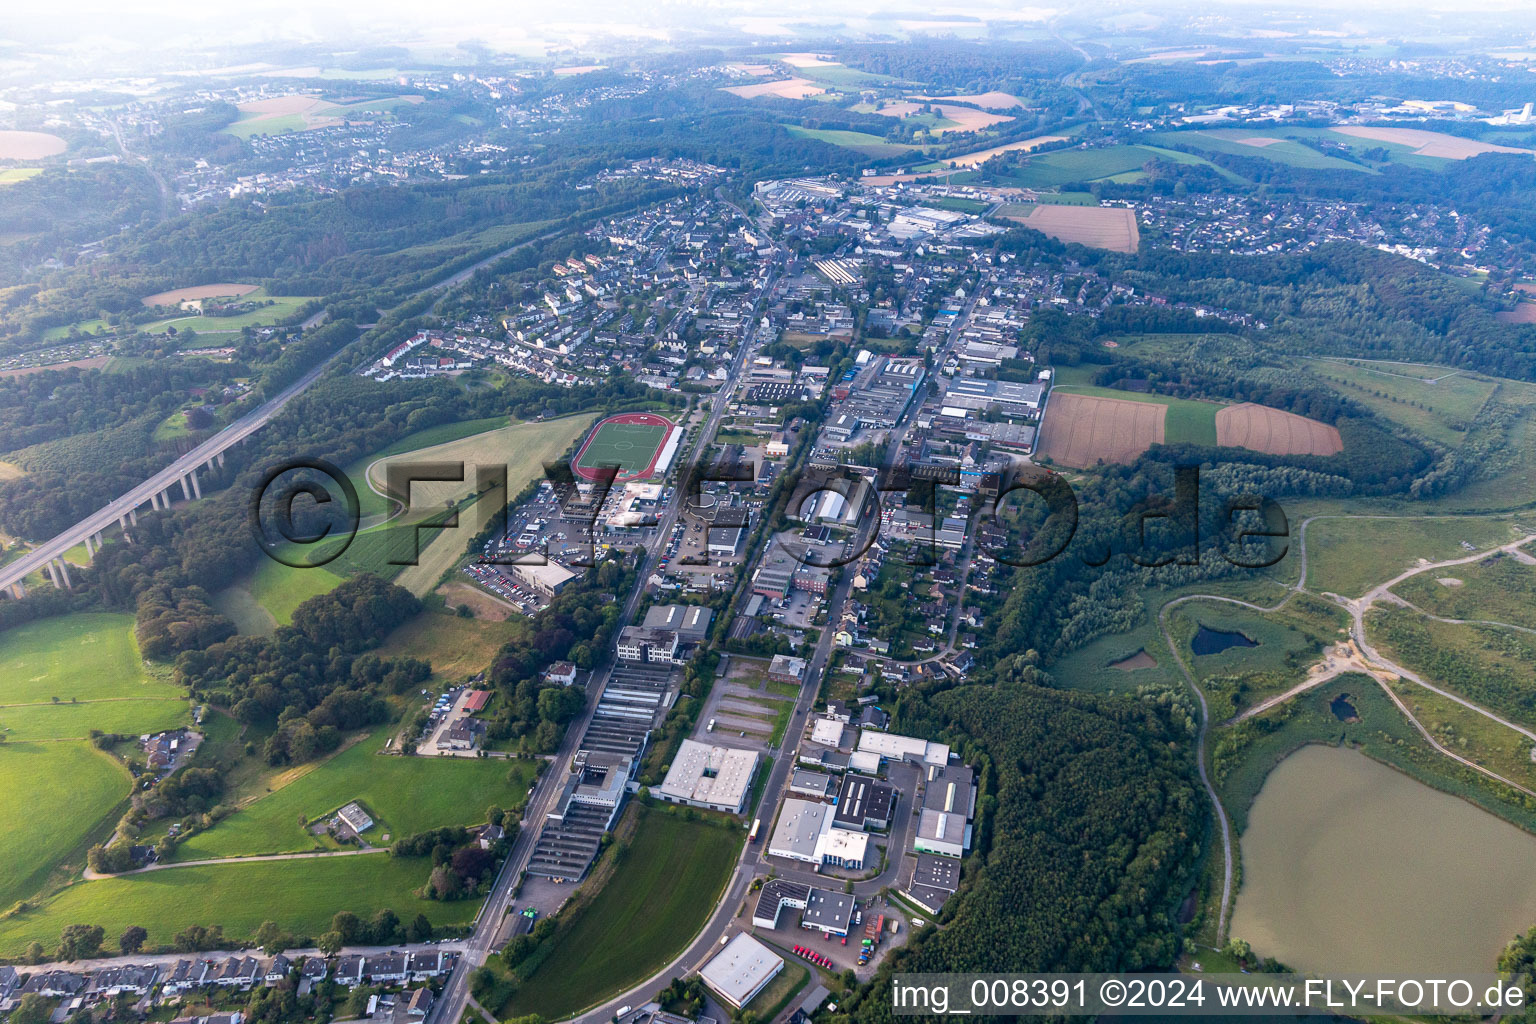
64 571
197 488
53 574
186 489
90 545
18 590
133 516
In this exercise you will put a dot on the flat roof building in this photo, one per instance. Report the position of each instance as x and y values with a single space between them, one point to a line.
903 748
808 783
799 827
714 778
689 622
933 881
805 832
831 912
548 579
864 803
741 970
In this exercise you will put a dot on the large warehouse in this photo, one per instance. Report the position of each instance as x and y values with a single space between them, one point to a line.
805 832
741 970
714 778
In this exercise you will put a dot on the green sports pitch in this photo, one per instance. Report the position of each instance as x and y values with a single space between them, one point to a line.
632 441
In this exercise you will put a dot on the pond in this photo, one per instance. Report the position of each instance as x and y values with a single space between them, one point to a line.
1350 867
1214 641
1343 709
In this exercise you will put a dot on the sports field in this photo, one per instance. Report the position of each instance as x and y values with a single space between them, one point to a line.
632 441
659 896
404 794
300 895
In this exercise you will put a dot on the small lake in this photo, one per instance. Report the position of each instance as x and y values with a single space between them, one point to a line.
1350 867
1214 641
1342 709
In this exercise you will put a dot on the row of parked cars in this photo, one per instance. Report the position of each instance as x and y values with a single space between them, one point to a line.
813 956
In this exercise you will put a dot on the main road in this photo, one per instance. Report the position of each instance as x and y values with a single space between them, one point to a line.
159 483
449 1008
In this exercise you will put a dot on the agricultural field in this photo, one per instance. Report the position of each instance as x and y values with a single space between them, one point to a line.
1081 430
267 597
981 156
1426 143
990 100
1274 431
1246 143
403 794
177 296
60 678
784 88
945 117
300 895
1100 227
11 175
1436 401
88 656
1348 554
861 142
1501 589
301 112
660 894
1061 166
16 145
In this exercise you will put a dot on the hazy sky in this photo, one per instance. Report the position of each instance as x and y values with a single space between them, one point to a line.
162 25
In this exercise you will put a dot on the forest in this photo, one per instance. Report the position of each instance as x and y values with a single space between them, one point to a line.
1089 828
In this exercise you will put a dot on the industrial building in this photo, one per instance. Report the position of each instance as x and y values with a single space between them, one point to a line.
822 909
949 803
903 748
646 645
547 579
933 881
805 832
689 622
714 778
741 970
864 803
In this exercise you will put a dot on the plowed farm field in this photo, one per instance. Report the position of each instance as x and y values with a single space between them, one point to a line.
1081 430
1274 431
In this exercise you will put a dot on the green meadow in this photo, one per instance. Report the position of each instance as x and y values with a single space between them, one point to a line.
403 794
300 895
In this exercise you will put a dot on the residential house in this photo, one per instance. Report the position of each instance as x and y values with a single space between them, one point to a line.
349 970
387 968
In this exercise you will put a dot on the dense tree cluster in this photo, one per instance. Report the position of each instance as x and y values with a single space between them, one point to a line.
311 678
1091 827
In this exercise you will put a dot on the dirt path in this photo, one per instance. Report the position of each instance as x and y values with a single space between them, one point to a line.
1361 657
94 875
